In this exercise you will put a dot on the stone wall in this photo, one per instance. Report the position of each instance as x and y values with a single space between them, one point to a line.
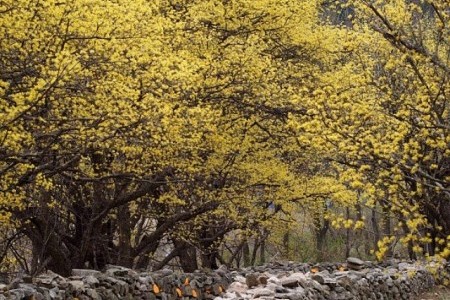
118 283
353 280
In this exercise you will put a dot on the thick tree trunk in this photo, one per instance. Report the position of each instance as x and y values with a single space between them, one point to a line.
124 244
255 250
187 256
321 232
51 254
209 259
262 251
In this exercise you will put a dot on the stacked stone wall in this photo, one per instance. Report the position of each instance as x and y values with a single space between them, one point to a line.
354 279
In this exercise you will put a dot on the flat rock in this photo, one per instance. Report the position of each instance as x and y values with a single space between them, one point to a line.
320 278
85 272
294 280
274 280
76 285
91 280
262 292
354 263
237 287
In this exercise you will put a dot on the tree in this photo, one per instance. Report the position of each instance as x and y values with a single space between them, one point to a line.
128 123
383 111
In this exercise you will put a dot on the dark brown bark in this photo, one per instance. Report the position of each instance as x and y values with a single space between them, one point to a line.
125 257
262 251
255 251
321 229
187 255
209 259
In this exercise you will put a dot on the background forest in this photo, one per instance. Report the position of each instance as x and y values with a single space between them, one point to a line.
193 133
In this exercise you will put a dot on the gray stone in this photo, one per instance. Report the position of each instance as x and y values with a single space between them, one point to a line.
164 272
76 285
17 293
290 296
54 292
262 292
85 272
331 282
294 280
319 287
93 294
354 263
237 287
116 271
108 294
91 281
282 289
319 277
28 289
274 280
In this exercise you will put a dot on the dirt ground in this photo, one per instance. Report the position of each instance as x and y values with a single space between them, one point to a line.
438 293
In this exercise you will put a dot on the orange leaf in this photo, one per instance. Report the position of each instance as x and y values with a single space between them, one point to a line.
156 289
314 270
194 294
179 292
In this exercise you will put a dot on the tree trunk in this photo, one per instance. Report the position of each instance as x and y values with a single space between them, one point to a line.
348 245
255 251
246 253
124 247
321 232
286 238
187 256
387 227
375 227
209 259
365 233
262 251
411 253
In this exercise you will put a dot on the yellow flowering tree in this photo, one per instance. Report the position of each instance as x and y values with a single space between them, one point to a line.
128 124
382 108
